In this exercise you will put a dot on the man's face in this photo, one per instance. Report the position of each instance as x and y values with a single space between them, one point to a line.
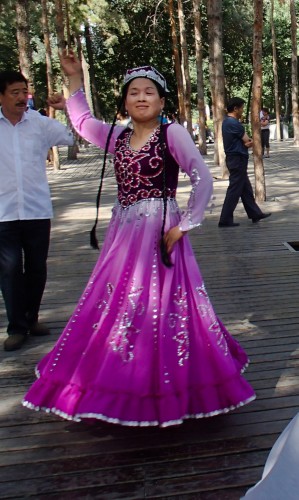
239 112
14 101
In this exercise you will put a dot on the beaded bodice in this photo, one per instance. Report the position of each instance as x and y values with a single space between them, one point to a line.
139 174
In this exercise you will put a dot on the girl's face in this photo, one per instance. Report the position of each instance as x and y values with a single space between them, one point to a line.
143 102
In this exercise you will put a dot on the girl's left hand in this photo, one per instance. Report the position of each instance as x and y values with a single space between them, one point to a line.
56 101
171 237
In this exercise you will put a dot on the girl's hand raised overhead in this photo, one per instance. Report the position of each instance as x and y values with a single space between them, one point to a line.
70 63
71 66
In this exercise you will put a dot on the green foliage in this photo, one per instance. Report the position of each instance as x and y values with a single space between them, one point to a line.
128 33
237 46
283 47
8 42
142 38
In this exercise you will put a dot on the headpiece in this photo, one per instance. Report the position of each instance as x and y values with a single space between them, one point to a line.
146 72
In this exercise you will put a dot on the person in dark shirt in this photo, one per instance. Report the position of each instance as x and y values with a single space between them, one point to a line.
236 144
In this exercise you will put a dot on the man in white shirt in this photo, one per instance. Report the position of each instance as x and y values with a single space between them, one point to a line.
25 206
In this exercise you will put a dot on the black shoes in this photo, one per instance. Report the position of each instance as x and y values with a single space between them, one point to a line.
231 224
39 330
14 341
254 220
262 216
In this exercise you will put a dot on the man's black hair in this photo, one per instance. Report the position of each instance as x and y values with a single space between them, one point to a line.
234 102
8 77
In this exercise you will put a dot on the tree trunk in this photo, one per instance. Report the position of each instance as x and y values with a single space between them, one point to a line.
47 43
92 79
61 43
212 79
295 109
200 84
260 188
49 70
59 24
185 67
23 39
177 62
87 86
217 81
67 25
249 100
275 73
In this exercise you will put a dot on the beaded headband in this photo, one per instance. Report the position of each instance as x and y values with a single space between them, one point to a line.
146 72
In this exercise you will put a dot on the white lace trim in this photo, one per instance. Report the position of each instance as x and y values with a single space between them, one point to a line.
98 416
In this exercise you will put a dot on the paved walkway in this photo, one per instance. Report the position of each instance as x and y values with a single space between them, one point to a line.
252 280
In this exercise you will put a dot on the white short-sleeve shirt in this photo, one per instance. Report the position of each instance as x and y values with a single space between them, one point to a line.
24 188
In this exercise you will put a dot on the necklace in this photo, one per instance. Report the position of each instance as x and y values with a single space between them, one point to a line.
152 135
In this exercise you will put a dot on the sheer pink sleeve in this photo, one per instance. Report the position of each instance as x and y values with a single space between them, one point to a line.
190 160
87 126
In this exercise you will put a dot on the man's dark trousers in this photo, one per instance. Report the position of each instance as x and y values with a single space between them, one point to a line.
24 246
239 187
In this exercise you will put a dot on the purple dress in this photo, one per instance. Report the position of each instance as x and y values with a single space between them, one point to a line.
143 346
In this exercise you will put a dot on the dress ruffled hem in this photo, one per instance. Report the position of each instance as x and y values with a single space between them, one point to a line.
163 409
155 423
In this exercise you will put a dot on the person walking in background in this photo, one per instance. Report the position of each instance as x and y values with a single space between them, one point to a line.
236 144
25 206
265 131
144 345
30 96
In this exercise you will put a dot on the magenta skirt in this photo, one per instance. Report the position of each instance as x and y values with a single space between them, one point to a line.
143 346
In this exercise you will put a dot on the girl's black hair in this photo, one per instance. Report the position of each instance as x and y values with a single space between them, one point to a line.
164 254
93 239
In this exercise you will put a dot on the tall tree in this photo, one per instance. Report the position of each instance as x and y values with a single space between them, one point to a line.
260 187
47 43
217 82
295 107
67 23
177 61
185 66
200 80
49 70
275 72
60 22
91 68
23 38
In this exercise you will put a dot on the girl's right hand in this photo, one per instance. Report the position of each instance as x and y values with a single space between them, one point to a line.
70 63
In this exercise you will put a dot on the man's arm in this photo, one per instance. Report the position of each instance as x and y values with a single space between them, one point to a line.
248 142
56 133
